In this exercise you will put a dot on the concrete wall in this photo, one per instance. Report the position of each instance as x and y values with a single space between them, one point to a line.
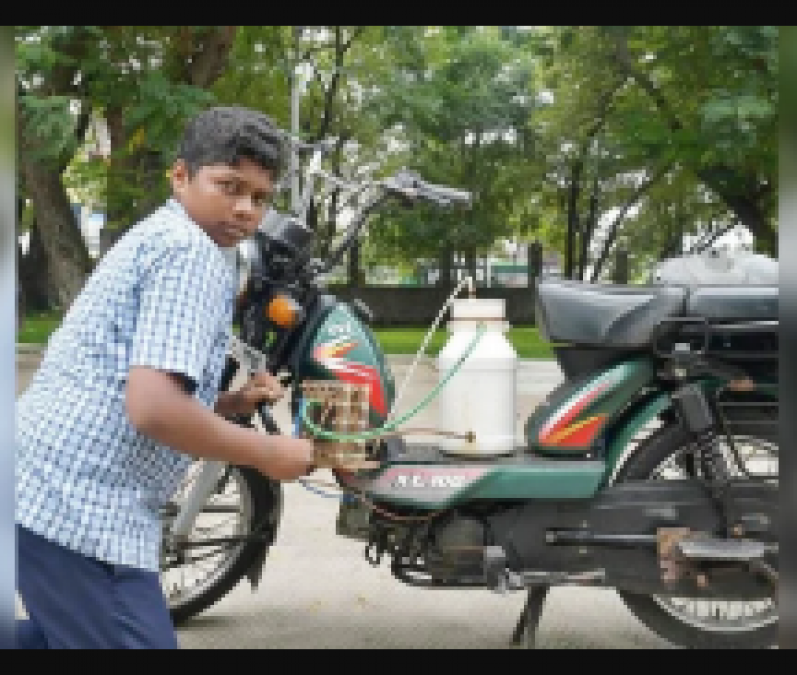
411 305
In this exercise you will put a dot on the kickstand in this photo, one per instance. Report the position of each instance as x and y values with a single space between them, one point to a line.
530 616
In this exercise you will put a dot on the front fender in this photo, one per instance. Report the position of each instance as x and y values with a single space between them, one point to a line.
271 494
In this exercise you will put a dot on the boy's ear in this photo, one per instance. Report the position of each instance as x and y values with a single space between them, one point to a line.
178 176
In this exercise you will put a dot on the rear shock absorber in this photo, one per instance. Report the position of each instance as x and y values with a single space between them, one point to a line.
695 412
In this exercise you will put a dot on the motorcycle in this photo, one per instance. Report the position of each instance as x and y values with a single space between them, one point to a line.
651 470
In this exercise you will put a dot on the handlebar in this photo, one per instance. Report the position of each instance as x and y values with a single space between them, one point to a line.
444 194
407 185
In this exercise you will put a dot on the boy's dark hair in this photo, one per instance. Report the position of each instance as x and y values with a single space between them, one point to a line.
224 134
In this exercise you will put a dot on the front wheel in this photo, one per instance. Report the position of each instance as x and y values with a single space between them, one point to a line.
698 623
195 577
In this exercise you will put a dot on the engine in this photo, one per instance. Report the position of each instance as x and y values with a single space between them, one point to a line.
445 550
455 548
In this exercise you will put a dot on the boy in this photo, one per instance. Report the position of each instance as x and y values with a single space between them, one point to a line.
120 405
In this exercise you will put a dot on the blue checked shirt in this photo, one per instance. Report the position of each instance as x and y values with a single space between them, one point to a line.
86 478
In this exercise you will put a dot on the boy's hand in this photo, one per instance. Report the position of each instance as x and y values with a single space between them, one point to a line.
261 387
286 458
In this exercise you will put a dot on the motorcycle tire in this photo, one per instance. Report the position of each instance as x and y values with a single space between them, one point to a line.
652 453
265 497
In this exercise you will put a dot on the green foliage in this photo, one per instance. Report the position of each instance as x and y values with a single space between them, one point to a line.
50 116
460 102
699 102
258 73
462 105
159 110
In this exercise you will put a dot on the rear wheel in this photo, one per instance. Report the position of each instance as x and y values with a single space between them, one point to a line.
699 623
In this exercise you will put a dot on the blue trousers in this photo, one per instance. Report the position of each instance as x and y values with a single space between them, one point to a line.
76 602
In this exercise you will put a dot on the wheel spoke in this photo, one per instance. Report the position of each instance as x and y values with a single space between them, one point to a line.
227 514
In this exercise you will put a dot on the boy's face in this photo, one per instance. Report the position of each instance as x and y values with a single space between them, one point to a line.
227 202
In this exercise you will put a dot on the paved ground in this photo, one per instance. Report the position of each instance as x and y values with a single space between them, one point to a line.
318 592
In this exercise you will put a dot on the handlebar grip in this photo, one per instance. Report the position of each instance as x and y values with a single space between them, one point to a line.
445 193
324 145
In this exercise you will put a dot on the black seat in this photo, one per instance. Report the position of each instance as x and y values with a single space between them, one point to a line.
733 303
605 315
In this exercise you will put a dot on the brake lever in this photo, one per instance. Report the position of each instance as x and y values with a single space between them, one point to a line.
247 356
254 361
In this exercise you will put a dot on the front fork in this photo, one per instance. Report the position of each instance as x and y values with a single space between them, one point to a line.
209 477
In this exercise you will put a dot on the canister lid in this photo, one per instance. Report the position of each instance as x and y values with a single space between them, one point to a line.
478 308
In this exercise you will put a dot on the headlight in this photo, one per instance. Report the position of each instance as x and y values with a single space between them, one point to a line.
284 311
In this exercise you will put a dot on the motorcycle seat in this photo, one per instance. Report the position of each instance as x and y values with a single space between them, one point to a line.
625 317
733 303
604 315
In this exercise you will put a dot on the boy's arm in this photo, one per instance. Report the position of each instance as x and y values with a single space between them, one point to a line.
159 407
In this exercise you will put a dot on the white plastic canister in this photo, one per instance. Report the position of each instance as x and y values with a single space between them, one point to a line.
480 397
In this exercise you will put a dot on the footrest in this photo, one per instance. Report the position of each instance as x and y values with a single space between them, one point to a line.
712 548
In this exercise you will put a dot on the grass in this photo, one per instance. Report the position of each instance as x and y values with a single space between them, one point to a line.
37 327
525 339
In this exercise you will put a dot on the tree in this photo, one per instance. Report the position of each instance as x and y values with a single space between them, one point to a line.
701 98
621 159
145 81
460 101
52 118
716 92
152 79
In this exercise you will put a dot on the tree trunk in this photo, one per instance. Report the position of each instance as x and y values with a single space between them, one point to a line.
470 265
22 292
118 175
446 267
752 217
33 272
573 191
620 270
597 268
356 277
534 263
64 259
589 227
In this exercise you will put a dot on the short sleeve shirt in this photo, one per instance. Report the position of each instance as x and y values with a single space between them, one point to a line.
87 479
